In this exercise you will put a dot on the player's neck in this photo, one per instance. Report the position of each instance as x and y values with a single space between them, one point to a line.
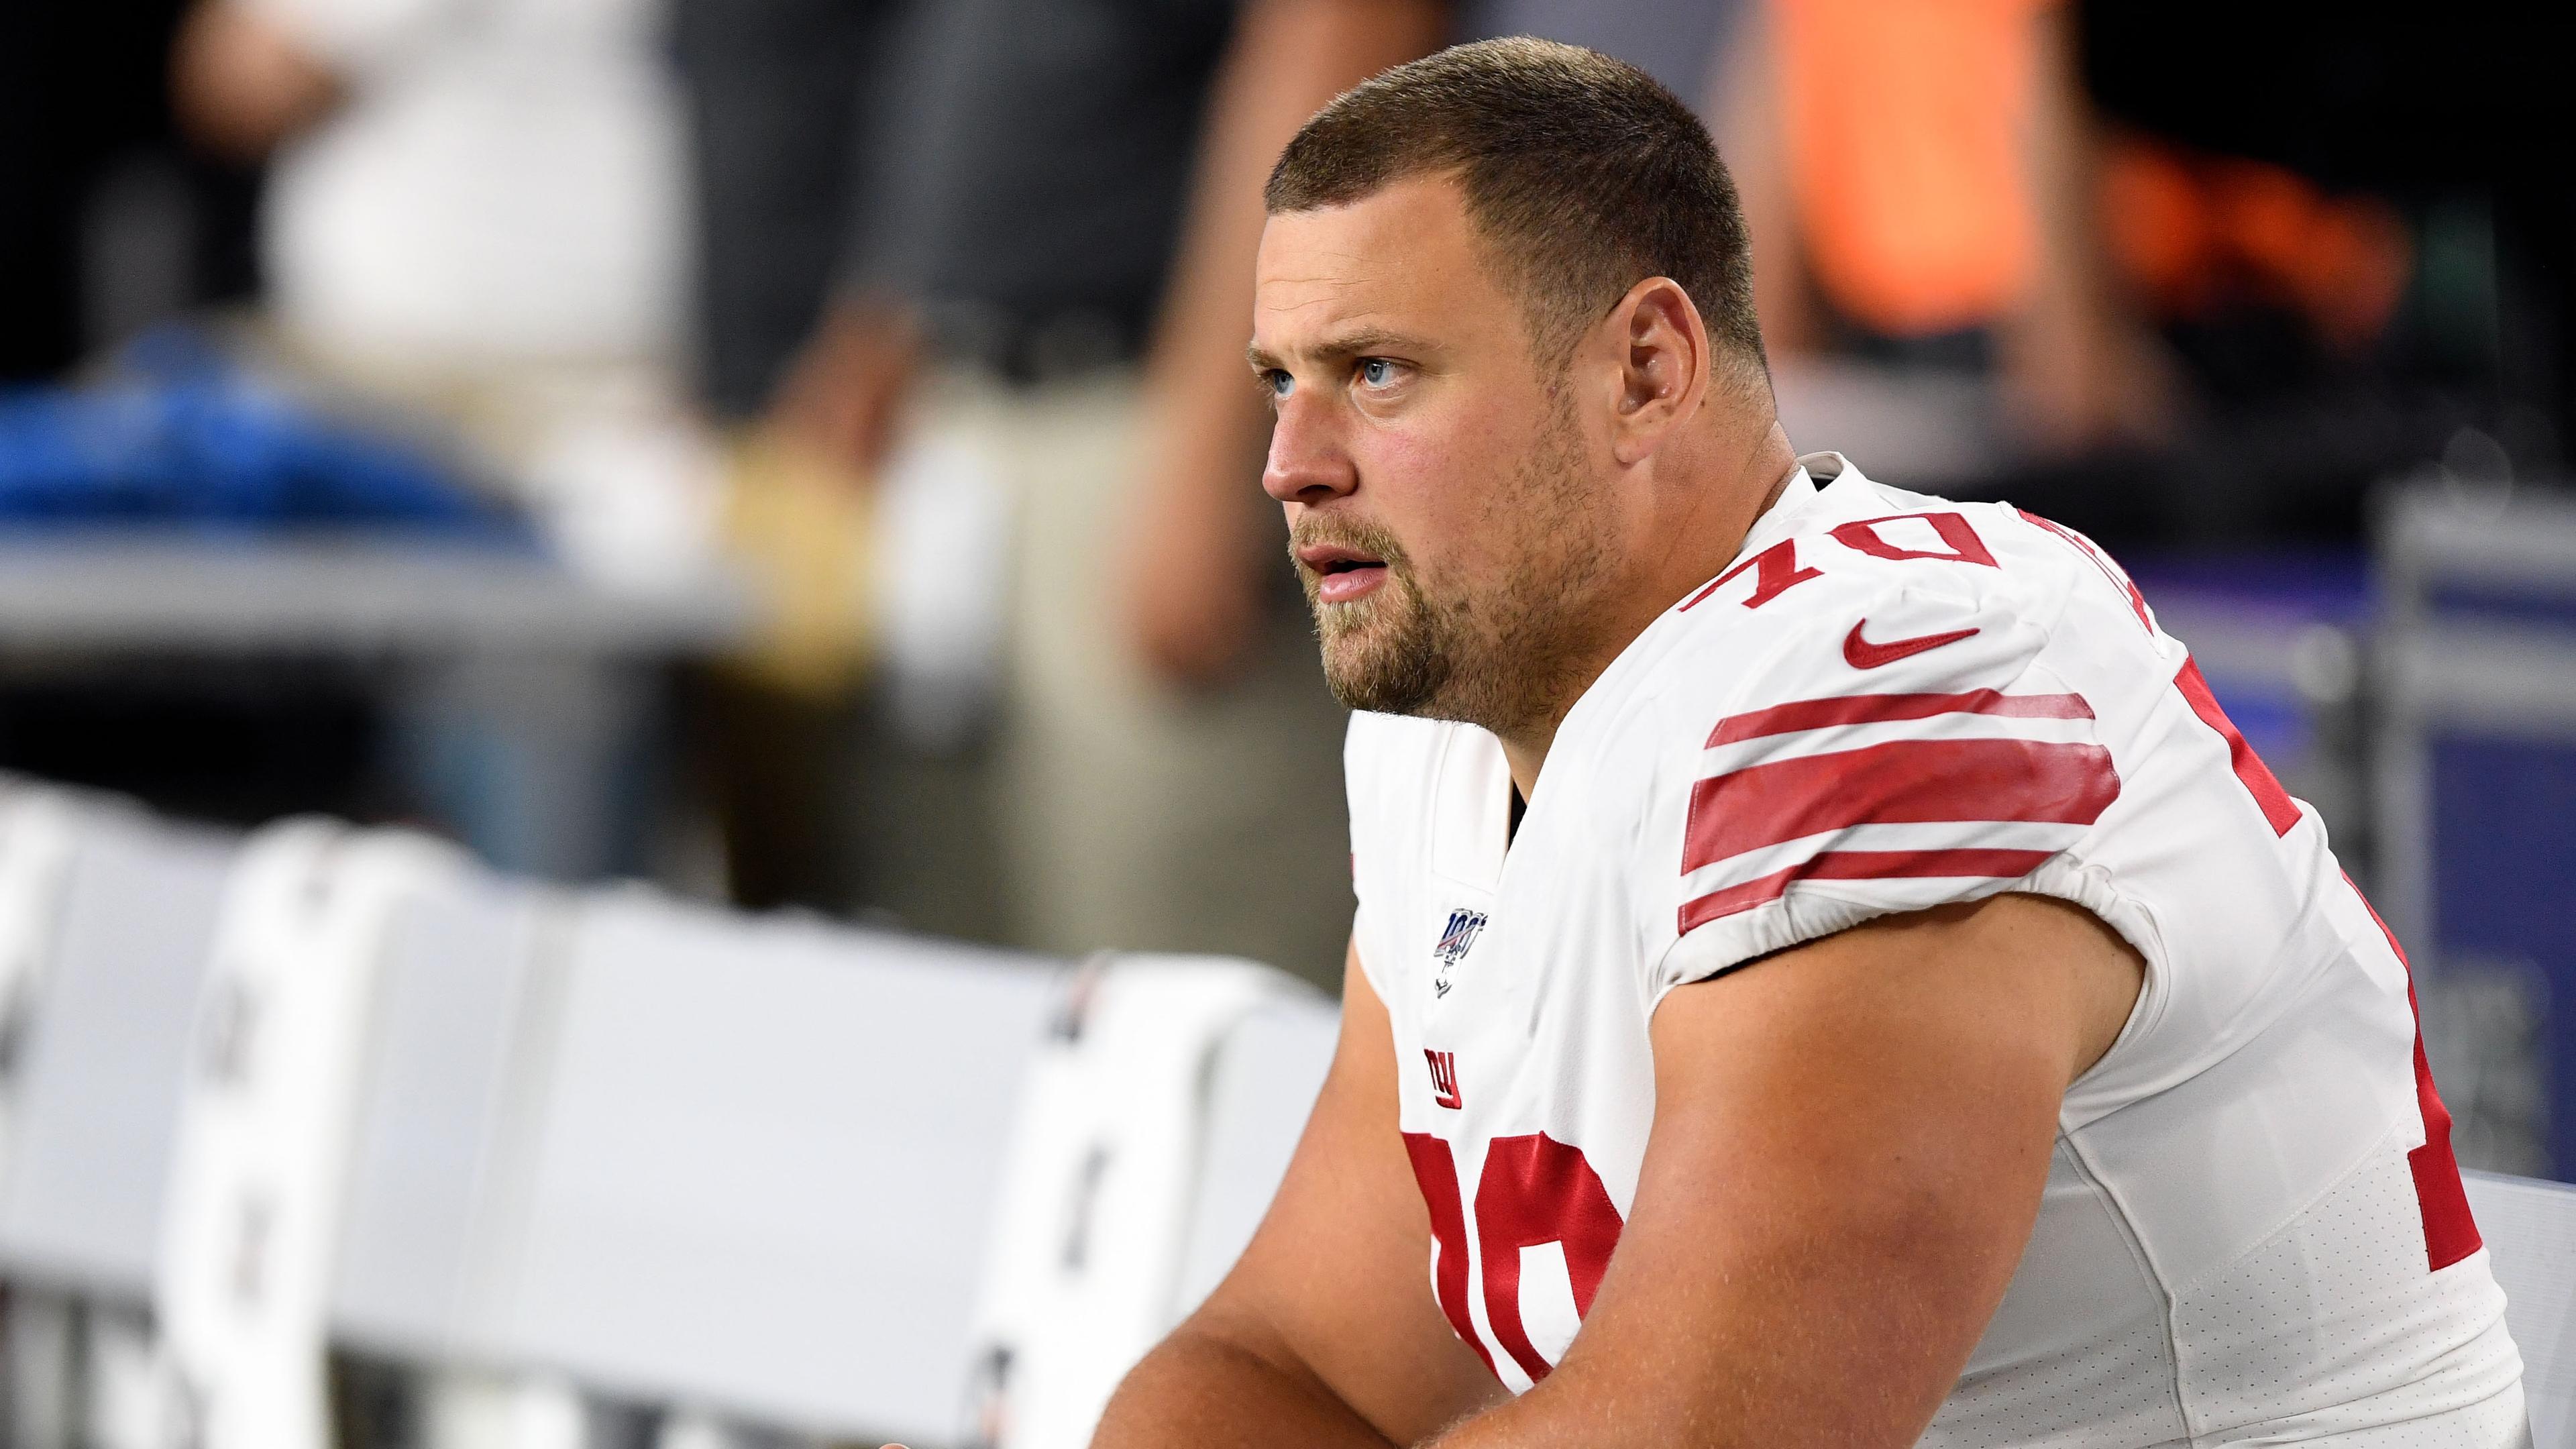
1695 541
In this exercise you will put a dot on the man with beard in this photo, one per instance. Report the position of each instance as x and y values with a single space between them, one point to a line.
1826 971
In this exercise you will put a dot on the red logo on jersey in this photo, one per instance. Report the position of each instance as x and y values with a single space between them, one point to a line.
1859 653
1444 1079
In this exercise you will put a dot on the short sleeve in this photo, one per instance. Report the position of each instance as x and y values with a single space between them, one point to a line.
1909 754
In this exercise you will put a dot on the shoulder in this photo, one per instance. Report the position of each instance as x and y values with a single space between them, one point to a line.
1856 536
1894 718
1872 589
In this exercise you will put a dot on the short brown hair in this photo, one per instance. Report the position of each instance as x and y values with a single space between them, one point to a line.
1582 175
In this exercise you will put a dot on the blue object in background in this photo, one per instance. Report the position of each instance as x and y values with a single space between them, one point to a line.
2330 585
194 441
2504 884
2274 595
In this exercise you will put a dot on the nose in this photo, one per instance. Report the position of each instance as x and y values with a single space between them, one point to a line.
1307 463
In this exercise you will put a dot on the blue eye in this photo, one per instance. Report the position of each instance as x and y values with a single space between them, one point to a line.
1376 371
1278 381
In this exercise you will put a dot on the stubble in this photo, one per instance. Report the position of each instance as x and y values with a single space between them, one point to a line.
1498 652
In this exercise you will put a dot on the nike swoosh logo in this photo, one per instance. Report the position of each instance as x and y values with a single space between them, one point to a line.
1859 653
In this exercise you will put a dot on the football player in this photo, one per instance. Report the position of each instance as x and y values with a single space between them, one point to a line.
1827 972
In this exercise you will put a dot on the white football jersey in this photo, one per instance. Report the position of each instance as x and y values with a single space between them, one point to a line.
2253 1229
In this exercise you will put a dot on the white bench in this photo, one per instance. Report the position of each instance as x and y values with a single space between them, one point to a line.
546 1146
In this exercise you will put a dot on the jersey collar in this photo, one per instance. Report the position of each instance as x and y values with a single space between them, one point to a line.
1813 473
1776 523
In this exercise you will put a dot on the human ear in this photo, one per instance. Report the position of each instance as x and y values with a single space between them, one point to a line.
1663 365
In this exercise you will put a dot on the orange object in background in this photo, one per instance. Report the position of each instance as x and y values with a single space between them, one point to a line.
1905 124
2194 232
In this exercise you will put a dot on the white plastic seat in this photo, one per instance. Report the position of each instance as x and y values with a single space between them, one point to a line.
539 1144
603 1144
106 919
2530 1231
613 1143
1149 1139
260 1169
751 1169
37 836
464 1016
1267 1076
106 915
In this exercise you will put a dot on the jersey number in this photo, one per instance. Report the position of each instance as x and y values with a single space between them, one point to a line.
1535 1190
1776 569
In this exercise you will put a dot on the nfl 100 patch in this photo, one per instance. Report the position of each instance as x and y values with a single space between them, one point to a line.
1456 940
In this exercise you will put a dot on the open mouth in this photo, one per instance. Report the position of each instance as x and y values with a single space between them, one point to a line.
1342 575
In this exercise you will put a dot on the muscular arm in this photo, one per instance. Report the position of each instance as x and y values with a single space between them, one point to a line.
1849 1145
1325 1334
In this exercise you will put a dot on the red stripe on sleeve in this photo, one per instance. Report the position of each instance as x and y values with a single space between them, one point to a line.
1859 865
1901 782
2441 1199
2279 810
1816 714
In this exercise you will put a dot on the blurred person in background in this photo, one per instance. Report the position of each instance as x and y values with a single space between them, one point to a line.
475 215
471 242
939 241
1920 181
784 100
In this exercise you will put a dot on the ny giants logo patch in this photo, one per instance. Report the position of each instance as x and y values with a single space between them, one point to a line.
1444 1079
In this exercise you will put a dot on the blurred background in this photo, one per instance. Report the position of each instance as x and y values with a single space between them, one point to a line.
794 452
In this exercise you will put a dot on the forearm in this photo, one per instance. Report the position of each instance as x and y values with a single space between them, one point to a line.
1199 1389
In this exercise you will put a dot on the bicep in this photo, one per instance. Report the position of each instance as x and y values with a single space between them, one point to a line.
1336 1279
1849 1147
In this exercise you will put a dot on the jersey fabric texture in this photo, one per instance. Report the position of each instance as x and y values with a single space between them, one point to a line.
2253 1231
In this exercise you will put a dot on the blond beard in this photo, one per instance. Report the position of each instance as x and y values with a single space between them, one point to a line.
1499 657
